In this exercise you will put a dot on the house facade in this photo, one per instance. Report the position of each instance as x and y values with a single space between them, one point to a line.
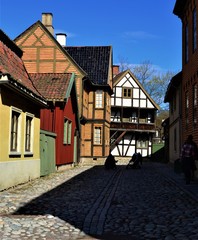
133 114
174 97
92 67
61 117
43 54
96 61
187 11
20 105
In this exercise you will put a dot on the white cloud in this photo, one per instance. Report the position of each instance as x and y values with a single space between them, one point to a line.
137 35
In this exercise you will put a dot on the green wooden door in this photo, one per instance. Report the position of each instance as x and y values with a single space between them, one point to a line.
47 153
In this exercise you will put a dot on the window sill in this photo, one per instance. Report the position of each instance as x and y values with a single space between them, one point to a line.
26 154
14 154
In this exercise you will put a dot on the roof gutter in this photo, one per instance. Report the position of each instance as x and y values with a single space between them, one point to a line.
16 86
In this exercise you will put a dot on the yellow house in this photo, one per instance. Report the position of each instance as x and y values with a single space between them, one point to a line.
20 105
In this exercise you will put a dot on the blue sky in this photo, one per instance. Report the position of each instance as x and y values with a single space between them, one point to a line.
138 30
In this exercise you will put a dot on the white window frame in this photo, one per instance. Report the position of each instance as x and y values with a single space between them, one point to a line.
17 149
31 137
97 135
99 99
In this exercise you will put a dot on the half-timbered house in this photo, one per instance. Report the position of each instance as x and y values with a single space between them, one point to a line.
43 53
96 61
133 114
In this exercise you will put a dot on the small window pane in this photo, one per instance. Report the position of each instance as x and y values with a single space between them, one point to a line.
97 135
28 134
14 131
99 99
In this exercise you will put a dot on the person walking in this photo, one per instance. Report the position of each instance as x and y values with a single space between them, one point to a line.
188 154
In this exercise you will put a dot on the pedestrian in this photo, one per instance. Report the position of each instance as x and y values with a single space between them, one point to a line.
188 155
110 162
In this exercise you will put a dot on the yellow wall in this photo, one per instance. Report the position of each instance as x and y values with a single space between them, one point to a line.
21 167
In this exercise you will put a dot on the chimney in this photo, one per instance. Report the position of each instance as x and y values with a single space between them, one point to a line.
116 70
47 22
61 38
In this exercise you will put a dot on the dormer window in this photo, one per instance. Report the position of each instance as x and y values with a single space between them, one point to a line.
127 93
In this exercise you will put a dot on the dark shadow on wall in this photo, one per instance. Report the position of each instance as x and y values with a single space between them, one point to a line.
159 156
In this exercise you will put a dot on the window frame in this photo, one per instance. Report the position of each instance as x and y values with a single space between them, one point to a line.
186 44
187 108
29 133
99 99
67 131
142 144
97 135
127 92
195 98
15 131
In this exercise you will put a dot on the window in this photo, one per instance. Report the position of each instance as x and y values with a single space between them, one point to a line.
194 30
67 134
134 117
187 108
15 130
99 99
97 135
142 144
186 44
149 118
29 133
175 140
127 93
195 104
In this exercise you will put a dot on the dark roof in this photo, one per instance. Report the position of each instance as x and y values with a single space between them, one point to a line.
12 65
174 83
118 76
53 86
179 7
94 61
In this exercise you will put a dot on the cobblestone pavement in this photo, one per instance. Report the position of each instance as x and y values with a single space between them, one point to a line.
93 203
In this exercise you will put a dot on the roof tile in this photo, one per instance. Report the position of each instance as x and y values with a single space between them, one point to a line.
53 86
93 60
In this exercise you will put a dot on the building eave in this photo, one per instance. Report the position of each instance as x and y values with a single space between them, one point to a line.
8 82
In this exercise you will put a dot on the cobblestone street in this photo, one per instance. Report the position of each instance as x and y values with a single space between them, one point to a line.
93 203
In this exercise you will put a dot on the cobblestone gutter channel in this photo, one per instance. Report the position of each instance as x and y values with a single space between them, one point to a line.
96 217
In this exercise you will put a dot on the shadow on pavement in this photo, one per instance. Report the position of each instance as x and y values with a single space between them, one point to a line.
72 200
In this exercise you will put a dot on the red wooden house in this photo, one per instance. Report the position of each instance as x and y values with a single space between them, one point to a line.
62 115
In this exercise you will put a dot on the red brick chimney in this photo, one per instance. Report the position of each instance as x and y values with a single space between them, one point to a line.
47 22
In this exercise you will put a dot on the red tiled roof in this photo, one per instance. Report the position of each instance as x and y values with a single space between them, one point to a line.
53 86
12 65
